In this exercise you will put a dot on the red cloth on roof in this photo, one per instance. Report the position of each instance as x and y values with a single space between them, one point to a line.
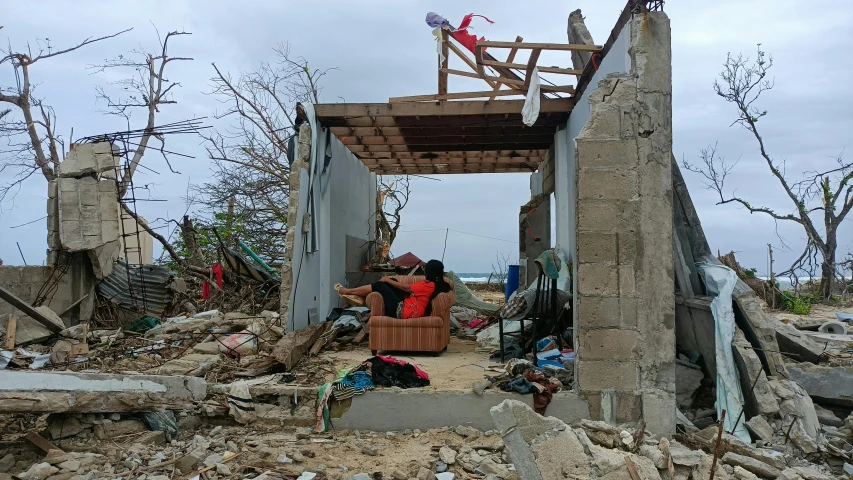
461 33
408 260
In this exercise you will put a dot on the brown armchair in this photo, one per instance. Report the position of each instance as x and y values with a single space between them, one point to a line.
426 334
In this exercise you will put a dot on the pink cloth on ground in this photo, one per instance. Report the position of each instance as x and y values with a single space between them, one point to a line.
389 359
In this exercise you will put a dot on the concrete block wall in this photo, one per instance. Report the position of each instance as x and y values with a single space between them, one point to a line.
625 331
25 283
88 213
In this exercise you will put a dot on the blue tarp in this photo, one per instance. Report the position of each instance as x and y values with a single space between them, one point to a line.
720 282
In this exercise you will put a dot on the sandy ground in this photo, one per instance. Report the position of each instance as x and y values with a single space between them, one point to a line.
455 369
819 314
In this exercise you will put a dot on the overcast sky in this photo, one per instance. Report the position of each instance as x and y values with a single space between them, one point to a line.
383 49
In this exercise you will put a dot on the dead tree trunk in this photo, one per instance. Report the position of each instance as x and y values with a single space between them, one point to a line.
194 256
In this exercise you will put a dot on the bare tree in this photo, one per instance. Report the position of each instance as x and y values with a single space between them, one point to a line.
147 88
392 196
33 143
500 269
827 194
251 187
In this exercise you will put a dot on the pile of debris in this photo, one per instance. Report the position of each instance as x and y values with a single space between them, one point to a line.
524 445
546 448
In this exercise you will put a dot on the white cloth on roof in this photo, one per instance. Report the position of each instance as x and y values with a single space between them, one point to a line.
530 112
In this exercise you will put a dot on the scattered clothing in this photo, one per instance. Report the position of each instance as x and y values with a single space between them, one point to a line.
435 20
162 421
387 358
396 374
542 397
216 270
376 371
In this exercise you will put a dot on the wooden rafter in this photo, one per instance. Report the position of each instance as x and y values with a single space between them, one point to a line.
561 105
541 46
510 57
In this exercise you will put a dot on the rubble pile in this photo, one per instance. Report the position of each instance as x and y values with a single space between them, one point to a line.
546 448
524 445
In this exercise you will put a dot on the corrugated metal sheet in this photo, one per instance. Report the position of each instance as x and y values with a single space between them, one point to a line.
138 287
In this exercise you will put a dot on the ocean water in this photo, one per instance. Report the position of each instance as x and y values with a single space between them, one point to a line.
476 277
784 282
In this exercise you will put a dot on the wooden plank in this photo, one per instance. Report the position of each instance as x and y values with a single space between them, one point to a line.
455 96
506 119
443 63
478 57
11 328
361 335
29 311
531 64
522 66
519 128
41 442
449 139
473 107
462 55
497 80
321 342
632 469
377 162
477 154
435 170
509 58
541 46
358 149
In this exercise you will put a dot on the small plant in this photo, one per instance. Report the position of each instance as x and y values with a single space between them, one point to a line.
748 273
796 304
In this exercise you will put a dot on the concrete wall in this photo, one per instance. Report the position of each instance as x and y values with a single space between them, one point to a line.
334 201
26 282
617 60
534 221
624 301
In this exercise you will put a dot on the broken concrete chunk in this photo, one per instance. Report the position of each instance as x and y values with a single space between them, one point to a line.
27 330
39 471
539 447
88 158
447 455
797 404
761 401
103 258
755 466
193 364
741 473
682 455
833 385
291 347
7 462
55 392
828 417
802 440
759 428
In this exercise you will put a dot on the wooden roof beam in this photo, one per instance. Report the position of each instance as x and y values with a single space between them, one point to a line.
541 46
450 109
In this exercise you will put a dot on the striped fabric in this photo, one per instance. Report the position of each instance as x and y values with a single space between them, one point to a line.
427 334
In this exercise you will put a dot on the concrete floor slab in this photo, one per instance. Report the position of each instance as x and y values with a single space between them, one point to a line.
392 409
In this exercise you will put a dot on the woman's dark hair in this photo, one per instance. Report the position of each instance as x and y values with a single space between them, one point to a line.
434 271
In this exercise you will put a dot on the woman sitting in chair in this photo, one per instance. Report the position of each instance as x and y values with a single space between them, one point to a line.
402 301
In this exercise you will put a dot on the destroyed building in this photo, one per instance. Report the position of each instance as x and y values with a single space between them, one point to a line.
644 286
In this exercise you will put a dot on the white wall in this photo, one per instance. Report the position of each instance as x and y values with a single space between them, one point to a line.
617 60
344 199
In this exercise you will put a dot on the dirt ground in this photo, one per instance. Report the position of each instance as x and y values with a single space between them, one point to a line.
455 369
818 314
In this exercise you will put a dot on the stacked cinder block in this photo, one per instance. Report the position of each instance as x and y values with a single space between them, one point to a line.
625 303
